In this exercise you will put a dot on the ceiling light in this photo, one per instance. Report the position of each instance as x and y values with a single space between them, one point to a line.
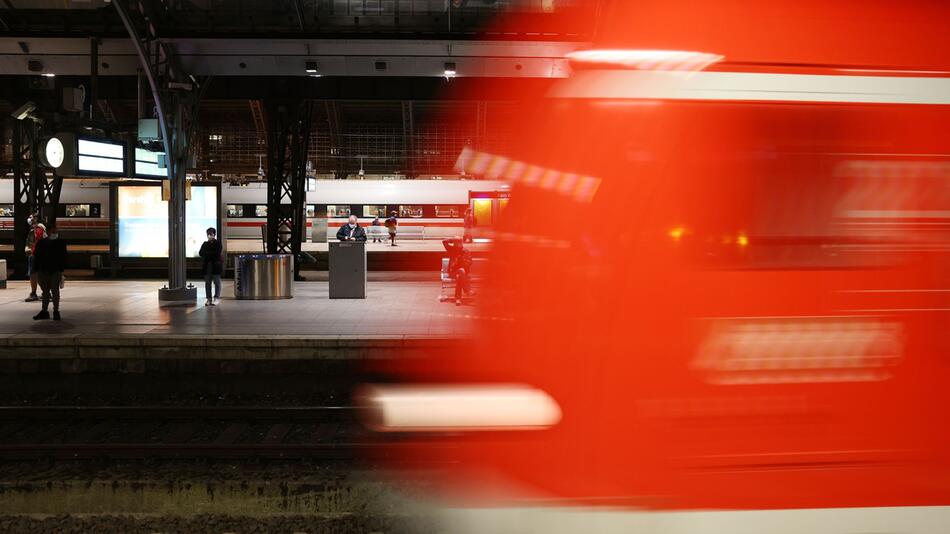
311 67
673 60
48 74
315 75
24 111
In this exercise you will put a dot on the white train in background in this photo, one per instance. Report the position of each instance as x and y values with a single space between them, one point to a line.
429 208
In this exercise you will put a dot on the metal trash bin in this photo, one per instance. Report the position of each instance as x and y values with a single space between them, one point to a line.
3 274
263 276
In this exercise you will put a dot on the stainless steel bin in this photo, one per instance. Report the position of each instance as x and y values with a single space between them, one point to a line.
263 276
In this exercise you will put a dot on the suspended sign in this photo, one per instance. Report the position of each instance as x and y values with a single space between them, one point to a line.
72 155
100 157
148 164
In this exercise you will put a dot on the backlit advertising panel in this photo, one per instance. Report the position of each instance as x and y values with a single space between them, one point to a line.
143 220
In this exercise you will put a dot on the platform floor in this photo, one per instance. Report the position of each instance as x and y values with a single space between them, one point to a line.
254 245
130 307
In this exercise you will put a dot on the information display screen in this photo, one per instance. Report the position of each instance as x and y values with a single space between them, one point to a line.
146 164
100 157
143 220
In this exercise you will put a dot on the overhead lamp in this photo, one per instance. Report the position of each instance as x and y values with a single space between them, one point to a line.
23 112
311 67
48 74
450 70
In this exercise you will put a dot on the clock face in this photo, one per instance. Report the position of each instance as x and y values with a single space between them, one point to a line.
55 153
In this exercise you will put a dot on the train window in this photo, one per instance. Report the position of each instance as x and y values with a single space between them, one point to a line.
412 211
448 211
6 210
80 210
374 211
338 210
311 210
260 210
235 210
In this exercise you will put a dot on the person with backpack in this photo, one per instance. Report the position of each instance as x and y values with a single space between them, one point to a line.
391 224
212 265
460 266
49 263
37 233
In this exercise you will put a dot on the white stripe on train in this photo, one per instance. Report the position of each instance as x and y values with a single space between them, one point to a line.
567 520
744 86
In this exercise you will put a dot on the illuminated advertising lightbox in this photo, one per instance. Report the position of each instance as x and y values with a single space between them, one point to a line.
143 220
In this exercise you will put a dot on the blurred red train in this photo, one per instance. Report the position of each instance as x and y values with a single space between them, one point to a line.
765 337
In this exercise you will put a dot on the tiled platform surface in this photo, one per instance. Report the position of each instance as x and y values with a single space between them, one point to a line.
122 318
237 246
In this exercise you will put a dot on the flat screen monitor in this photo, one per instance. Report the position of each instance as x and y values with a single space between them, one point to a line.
146 164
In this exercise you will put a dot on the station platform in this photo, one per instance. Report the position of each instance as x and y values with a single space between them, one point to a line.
237 246
121 319
408 255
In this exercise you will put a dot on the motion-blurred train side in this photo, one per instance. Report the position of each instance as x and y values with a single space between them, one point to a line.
752 334
435 205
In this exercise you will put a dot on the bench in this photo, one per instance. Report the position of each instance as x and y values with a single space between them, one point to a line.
402 232
448 281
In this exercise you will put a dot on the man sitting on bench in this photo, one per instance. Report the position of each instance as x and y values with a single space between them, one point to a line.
460 266
351 231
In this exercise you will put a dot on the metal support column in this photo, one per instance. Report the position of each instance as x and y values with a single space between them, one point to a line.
287 143
23 197
33 191
337 147
160 67
408 139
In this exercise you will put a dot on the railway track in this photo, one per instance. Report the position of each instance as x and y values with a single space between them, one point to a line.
70 432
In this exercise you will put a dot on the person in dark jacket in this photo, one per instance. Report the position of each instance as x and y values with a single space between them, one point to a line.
460 266
211 265
351 231
376 224
50 262
469 224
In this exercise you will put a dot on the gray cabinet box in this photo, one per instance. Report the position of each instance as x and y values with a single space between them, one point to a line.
348 270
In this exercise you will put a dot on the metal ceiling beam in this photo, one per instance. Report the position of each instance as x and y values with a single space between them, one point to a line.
287 57
299 15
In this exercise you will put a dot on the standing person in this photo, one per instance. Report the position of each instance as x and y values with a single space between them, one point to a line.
376 229
469 224
460 266
37 233
50 262
212 265
391 224
351 231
